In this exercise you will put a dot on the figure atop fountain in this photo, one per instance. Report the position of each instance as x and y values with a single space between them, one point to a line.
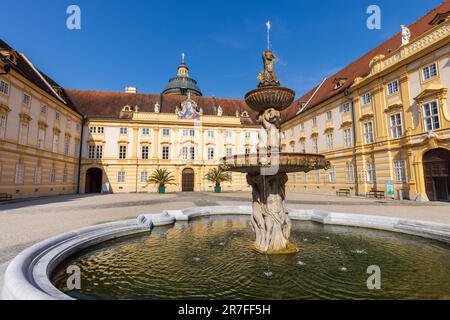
268 78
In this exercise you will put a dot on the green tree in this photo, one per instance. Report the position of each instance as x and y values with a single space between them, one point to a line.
161 177
217 176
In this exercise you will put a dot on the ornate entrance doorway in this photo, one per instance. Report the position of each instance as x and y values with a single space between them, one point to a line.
94 177
187 180
436 165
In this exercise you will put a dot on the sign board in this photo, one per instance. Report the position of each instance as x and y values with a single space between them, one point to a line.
390 189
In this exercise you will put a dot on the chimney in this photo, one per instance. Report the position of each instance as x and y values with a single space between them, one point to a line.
130 89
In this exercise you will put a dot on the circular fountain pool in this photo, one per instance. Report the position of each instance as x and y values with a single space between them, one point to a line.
212 258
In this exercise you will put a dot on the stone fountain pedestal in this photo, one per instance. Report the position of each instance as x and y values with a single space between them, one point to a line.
267 170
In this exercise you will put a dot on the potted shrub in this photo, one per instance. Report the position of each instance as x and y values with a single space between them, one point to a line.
161 177
217 176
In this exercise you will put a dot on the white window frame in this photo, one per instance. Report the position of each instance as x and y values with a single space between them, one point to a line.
368 135
229 152
432 117
122 152
315 145
121 177
393 88
64 177
23 132
38 175
145 131
371 172
332 175
330 141
366 98
4 87
349 172
99 152
3 120
210 134
20 171
91 151
400 170
166 132
53 175
427 72
396 125
165 152
26 99
144 176
145 152
348 139
210 153
123 131
345 107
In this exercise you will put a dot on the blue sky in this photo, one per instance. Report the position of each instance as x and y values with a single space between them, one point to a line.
139 43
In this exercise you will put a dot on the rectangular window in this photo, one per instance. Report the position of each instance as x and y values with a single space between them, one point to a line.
23 135
396 126
101 129
329 115
431 116
192 153
4 87
123 130
303 147
165 153
349 172
210 134
366 98
91 152
99 152
331 175
41 138
247 135
188 132
302 126
166 132
392 87
92 129
400 170
315 145
121 177
144 177
429 71
64 178
228 134
145 152
229 152
122 152
247 151
57 116
368 132
66 146
317 174
330 141
314 122
348 138
210 153
26 99
38 175
19 173
345 107
55 142
2 126
44 109
371 173
145 131
53 175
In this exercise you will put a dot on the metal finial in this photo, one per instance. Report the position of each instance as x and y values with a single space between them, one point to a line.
268 26
183 56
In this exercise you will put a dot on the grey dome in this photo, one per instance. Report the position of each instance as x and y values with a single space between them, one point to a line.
182 85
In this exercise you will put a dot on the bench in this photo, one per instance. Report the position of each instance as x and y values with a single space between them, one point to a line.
5 197
375 194
343 192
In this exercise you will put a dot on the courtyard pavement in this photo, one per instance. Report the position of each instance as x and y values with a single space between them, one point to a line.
29 221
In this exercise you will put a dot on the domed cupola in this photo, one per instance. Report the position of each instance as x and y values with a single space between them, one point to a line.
182 84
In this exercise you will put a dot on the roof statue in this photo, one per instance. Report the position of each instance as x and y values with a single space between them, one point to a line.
406 35
189 109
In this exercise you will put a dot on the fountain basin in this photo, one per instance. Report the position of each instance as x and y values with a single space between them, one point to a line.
264 98
284 162
28 276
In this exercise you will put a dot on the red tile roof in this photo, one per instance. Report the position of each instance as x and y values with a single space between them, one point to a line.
101 104
360 67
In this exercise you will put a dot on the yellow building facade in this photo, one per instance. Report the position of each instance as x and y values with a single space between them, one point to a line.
39 131
390 125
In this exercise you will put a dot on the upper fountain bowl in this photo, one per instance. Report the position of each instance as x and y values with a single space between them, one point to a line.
264 98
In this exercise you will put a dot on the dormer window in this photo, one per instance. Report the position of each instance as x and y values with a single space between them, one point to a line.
244 114
127 108
338 83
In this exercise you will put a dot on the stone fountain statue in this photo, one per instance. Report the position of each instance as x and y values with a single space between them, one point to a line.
267 170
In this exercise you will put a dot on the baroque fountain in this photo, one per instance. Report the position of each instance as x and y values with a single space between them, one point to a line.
267 169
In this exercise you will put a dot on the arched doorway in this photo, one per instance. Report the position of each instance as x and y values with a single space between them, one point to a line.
436 167
187 180
94 177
